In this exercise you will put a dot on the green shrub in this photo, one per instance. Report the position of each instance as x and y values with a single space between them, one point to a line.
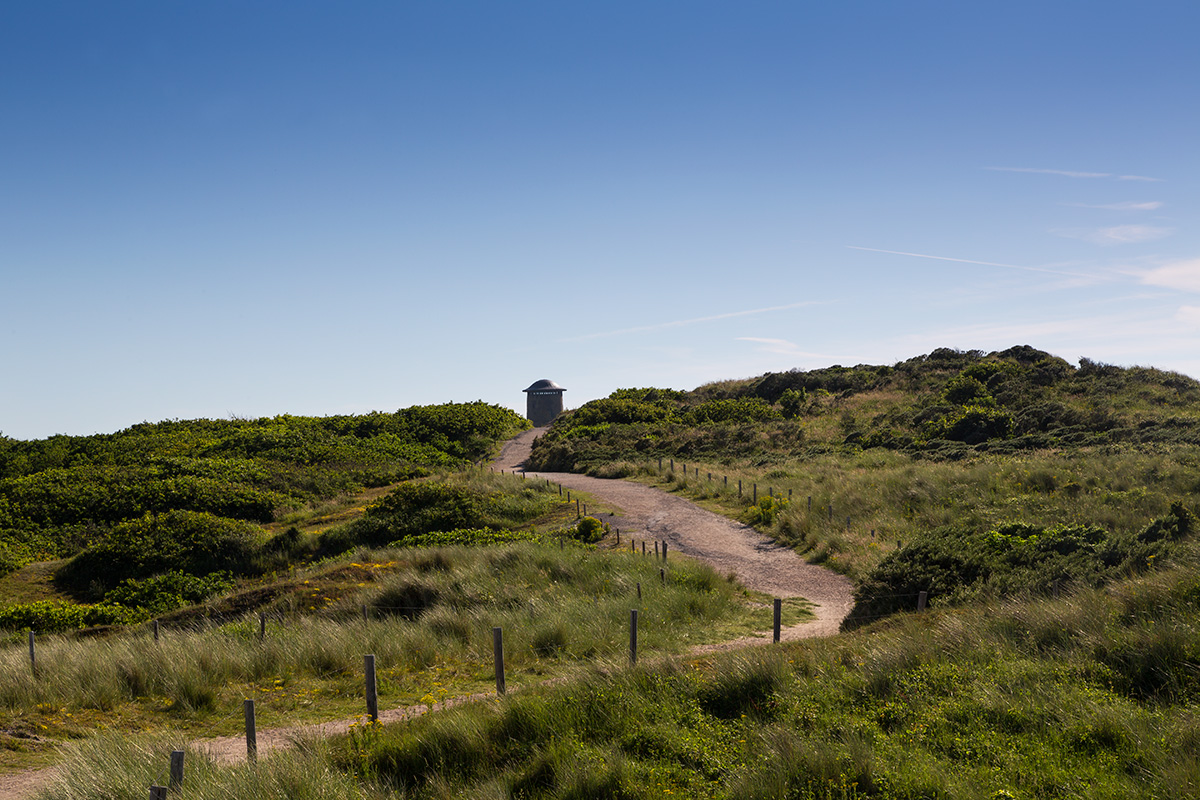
956 565
191 542
589 529
168 591
45 616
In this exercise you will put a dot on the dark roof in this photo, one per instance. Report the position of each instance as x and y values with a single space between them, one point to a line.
544 385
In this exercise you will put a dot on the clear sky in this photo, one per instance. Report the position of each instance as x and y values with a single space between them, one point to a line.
252 208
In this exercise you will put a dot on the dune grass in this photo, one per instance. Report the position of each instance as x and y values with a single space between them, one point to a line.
430 614
1094 695
881 499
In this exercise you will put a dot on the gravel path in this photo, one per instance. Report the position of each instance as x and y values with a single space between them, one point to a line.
758 563
648 513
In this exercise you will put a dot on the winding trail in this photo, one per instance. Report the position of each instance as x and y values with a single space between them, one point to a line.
759 563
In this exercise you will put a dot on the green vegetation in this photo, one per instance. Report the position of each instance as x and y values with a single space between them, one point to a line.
460 501
426 613
945 405
1047 509
1093 695
190 499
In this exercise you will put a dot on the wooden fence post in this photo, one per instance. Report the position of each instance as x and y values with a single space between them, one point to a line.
155 630
372 693
498 657
662 576
656 549
664 550
251 733
755 497
176 781
633 636
922 599
778 616
639 591
739 487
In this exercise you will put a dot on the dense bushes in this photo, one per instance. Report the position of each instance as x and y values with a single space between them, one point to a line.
955 565
192 542
933 405
464 502
61 494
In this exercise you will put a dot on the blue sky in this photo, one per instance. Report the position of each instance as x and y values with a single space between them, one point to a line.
254 208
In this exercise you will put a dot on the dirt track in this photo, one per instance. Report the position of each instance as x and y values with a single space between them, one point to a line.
759 563
646 512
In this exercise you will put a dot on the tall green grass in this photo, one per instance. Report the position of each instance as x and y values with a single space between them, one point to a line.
430 619
891 497
1095 695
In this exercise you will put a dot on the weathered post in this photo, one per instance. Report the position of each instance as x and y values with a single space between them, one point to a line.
639 591
251 733
643 548
778 616
662 576
498 658
633 636
754 497
739 487
664 550
176 781
371 689
922 599
155 626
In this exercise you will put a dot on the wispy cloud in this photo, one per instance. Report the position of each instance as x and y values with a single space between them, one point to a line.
1181 275
1067 173
1189 315
1153 205
969 261
778 346
1115 234
679 323
1064 172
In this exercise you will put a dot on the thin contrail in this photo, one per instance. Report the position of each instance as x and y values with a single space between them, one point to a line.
969 261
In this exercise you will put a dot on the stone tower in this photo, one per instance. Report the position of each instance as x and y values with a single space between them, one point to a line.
543 402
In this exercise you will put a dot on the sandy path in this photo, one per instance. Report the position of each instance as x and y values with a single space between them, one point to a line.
645 512
759 563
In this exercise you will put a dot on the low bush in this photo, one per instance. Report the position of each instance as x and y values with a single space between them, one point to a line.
190 542
956 565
